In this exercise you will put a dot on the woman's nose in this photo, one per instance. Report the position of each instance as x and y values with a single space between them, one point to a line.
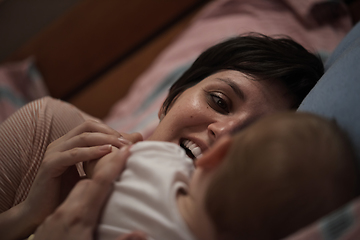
218 129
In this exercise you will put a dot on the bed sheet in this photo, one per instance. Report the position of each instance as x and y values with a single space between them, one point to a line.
219 20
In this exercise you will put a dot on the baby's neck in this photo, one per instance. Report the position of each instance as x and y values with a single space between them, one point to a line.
195 217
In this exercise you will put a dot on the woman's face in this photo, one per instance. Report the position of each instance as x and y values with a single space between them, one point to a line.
215 106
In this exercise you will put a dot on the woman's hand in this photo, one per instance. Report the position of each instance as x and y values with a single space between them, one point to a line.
57 174
77 216
90 140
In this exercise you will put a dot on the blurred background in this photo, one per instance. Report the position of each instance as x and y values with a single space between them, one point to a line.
90 52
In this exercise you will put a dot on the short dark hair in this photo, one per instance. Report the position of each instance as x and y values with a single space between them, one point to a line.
260 57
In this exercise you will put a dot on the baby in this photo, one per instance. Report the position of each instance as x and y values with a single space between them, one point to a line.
278 175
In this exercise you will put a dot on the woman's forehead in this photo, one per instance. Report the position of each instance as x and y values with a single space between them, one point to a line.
241 80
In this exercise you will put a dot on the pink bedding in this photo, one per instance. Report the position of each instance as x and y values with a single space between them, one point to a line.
220 20
20 83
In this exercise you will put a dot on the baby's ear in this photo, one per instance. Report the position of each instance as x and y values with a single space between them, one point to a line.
215 155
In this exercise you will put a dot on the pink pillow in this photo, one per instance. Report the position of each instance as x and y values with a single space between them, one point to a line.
20 83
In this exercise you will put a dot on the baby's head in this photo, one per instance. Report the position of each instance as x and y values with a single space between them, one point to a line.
278 175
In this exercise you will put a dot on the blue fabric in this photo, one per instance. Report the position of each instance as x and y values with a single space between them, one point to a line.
337 94
335 225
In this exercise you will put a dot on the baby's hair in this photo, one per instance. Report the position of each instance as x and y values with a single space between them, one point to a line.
282 173
260 57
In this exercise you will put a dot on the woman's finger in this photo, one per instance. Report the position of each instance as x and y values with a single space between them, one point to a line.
93 133
91 126
58 162
91 139
133 137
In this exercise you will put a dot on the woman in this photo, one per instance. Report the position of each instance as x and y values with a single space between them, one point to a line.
230 85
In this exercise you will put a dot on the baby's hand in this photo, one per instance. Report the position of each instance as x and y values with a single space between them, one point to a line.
125 139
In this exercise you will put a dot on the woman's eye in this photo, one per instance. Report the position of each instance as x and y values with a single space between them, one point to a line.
220 103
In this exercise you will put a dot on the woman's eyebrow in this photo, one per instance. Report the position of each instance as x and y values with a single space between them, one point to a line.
234 87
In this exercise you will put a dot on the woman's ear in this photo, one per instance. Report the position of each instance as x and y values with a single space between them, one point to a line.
216 154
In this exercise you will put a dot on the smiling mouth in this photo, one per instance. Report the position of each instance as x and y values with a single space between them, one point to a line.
191 149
